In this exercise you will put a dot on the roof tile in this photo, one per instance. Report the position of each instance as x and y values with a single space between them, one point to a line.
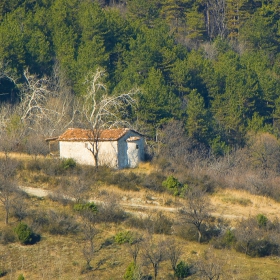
78 134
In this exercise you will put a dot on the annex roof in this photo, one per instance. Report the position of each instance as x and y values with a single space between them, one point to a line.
133 138
78 134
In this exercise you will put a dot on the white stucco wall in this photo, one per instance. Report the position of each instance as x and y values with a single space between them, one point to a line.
116 154
107 154
127 150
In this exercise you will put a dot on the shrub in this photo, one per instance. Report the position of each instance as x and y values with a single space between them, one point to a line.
20 277
7 236
227 240
258 248
162 224
262 220
124 181
89 206
39 220
68 163
124 237
172 184
133 272
130 271
2 272
25 234
156 224
61 224
110 211
153 182
182 270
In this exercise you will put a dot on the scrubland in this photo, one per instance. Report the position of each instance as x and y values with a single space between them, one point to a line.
135 211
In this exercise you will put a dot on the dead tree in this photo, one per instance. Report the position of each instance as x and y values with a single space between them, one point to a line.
102 110
154 253
173 253
211 267
196 210
8 188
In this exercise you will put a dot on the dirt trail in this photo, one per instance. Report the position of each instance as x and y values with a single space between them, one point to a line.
39 192
131 207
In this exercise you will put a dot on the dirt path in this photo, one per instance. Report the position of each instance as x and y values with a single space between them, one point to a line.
131 207
39 192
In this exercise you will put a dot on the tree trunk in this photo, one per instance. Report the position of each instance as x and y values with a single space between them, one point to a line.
199 235
7 217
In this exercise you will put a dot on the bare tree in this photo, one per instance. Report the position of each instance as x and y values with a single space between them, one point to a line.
75 189
210 266
45 105
102 110
20 206
89 232
247 232
34 97
134 248
154 253
88 213
215 18
173 253
8 188
196 210
36 145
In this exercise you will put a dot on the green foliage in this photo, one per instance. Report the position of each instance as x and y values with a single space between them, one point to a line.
173 185
2 272
262 220
182 270
89 206
229 238
24 233
217 74
21 277
124 237
219 147
68 163
130 272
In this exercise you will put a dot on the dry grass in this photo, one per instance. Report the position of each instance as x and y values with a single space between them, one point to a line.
236 204
60 257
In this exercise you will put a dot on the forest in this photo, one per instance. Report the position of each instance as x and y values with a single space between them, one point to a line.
200 80
211 64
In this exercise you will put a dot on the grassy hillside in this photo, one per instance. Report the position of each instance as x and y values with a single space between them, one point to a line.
135 207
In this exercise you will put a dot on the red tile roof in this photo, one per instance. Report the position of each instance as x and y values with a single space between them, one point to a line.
77 134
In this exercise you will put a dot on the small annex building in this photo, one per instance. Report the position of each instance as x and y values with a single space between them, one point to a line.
118 148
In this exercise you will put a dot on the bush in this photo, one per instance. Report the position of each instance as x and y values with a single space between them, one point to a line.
227 240
110 211
262 220
162 224
68 163
129 274
133 272
7 236
20 277
124 237
2 272
39 220
24 234
259 248
124 181
153 182
89 206
156 224
61 224
172 184
182 270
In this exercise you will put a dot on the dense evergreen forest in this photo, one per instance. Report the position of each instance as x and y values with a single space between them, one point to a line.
211 64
